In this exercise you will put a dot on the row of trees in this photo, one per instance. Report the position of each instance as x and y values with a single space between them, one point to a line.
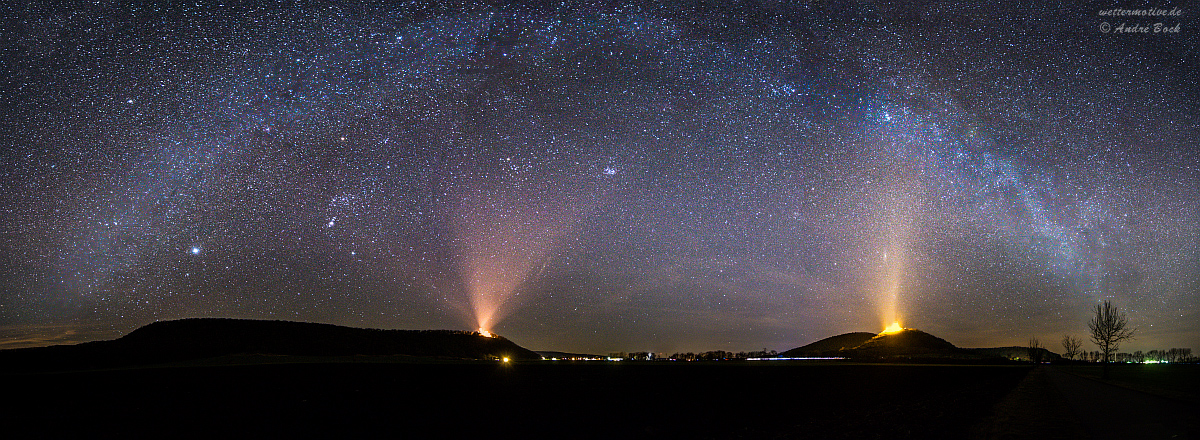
1108 328
721 355
1169 355
715 355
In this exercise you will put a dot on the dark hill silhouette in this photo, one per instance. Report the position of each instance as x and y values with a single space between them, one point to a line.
1015 352
186 339
830 346
908 345
907 342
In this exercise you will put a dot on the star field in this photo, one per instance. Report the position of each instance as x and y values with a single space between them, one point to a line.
599 177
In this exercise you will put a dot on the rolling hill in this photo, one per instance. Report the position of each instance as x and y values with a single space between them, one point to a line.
1015 352
907 342
830 346
904 345
187 339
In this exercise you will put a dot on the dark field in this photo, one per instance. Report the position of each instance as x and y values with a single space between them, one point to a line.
1177 381
590 400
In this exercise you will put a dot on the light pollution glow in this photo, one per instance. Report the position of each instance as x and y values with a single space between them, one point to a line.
894 256
893 263
498 263
509 234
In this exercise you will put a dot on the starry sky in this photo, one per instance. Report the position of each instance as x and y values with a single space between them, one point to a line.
599 176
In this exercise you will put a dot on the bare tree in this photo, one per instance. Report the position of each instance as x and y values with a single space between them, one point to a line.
1035 350
1109 328
1072 345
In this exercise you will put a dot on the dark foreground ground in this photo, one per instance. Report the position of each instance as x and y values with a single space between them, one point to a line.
539 399
1074 402
1175 381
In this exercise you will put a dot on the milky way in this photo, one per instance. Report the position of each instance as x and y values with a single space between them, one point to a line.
600 177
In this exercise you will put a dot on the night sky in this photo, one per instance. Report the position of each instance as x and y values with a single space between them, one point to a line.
596 177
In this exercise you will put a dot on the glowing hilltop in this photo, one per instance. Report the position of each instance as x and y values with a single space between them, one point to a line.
893 328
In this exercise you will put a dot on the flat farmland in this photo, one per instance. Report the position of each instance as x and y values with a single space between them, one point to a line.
584 399
1177 381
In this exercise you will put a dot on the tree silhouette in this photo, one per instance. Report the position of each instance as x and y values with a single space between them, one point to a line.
1035 351
1109 328
1072 346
